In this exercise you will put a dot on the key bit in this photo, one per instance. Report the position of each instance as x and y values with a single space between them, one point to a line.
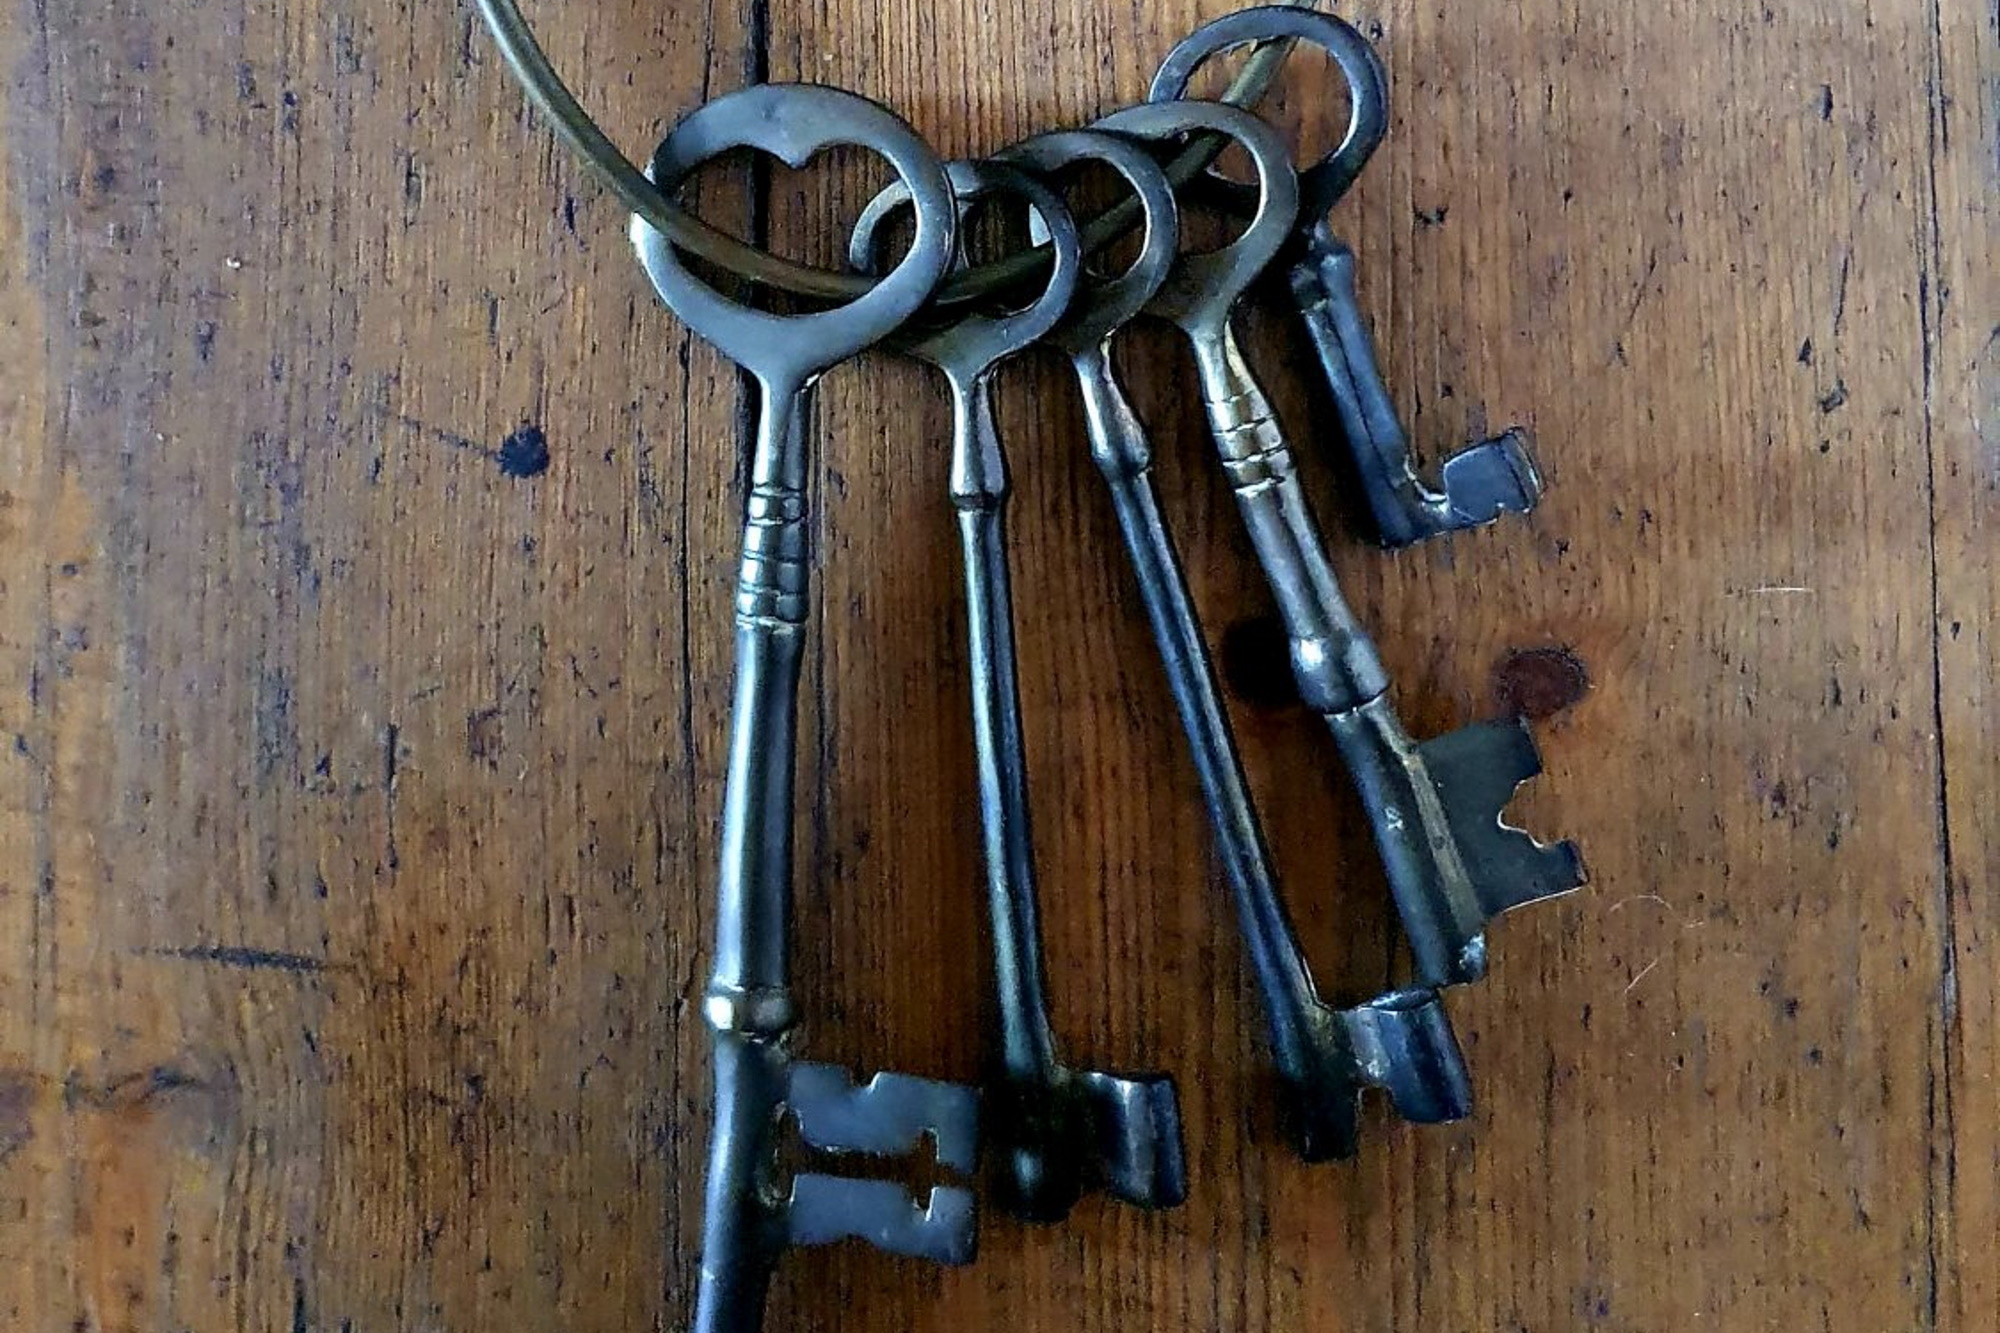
1059 1134
1479 483
1437 810
1400 1043
885 1117
1056 1133
1405 1046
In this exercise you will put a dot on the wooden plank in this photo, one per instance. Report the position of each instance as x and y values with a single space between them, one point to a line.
33 1191
1962 389
351 742
358 772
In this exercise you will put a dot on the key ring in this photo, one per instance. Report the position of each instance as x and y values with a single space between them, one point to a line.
545 88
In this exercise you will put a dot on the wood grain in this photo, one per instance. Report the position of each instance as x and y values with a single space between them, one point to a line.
1962 391
359 772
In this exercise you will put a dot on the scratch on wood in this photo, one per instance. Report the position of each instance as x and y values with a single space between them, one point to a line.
229 955
1840 291
438 433
17 1103
133 1089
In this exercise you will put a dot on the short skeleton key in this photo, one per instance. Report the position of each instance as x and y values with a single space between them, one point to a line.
1435 807
1401 1042
1055 1132
748 1219
1481 482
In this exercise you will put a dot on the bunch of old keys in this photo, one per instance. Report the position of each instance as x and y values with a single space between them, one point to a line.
1054 1132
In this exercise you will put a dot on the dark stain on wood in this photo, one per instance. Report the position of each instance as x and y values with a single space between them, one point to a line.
1257 663
1538 683
255 960
525 453
17 1111
486 735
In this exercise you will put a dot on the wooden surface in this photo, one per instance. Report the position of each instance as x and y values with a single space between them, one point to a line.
358 798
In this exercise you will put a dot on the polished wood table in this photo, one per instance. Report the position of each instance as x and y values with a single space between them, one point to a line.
366 539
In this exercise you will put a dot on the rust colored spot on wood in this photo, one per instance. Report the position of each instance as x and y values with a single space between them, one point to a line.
1538 683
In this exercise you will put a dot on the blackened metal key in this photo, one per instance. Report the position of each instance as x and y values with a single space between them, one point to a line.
1480 482
750 1215
1435 808
1401 1042
1053 1132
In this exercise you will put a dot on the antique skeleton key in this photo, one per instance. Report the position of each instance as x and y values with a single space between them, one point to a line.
751 1212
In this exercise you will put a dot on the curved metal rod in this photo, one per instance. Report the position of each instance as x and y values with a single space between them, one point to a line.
545 88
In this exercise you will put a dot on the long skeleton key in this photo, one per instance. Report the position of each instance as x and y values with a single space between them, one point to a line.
1055 1132
1436 807
1480 482
749 1218
1402 1042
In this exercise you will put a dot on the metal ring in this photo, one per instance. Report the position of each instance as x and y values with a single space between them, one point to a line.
1206 284
545 88
972 339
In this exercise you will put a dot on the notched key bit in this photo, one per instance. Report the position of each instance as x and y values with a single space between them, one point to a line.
1437 809
887 1115
1477 771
